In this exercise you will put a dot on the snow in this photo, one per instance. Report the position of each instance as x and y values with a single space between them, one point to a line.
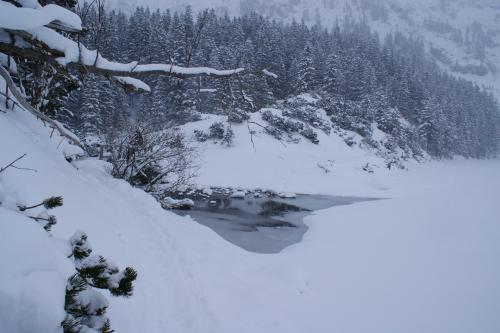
423 259
30 4
10 65
207 191
15 18
170 203
33 277
93 300
185 70
310 99
287 195
261 161
138 84
271 74
239 194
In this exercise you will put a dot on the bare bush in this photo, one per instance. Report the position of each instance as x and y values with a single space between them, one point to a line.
148 158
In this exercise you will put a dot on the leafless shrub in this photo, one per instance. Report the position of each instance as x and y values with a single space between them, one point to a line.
149 158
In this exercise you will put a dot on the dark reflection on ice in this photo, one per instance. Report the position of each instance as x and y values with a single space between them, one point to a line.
263 224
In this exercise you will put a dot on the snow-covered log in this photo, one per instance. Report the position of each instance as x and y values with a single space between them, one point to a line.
62 52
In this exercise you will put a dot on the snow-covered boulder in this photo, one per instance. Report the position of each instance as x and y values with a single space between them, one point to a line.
238 195
170 203
207 191
287 195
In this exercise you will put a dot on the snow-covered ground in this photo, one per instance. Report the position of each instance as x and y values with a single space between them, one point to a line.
261 161
425 260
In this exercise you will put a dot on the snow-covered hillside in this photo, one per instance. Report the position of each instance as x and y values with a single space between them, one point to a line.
423 260
255 159
463 36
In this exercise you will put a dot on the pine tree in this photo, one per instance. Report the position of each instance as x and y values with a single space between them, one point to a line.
305 71
432 127
47 221
334 76
254 91
86 307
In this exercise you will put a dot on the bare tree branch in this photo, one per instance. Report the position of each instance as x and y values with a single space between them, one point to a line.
12 165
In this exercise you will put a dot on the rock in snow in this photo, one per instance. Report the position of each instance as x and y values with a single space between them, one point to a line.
184 204
287 195
238 195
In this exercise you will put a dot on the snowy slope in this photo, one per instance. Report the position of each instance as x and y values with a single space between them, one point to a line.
437 22
259 160
423 261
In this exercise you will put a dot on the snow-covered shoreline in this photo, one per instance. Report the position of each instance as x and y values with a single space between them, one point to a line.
257 160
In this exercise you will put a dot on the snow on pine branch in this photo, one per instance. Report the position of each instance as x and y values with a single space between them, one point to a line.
268 73
130 81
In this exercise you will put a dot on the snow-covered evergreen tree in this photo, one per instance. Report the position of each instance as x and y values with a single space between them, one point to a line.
85 306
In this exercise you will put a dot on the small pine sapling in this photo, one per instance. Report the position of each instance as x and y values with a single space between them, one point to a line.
44 217
217 130
46 220
49 203
200 136
228 136
85 307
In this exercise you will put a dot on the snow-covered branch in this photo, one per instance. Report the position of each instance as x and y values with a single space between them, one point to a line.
37 40
268 73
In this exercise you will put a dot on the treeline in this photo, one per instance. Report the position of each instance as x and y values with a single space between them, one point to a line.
363 81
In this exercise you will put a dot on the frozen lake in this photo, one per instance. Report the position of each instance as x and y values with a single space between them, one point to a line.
262 224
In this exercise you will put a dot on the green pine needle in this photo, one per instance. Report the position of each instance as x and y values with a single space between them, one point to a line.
106 328
53 202
71 325
125 286
51 221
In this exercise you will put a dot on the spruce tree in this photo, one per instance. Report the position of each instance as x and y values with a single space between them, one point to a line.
305 71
